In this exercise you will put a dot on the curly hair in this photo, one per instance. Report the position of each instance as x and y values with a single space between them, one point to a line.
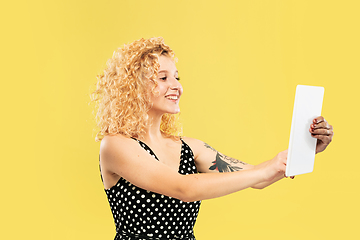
124 89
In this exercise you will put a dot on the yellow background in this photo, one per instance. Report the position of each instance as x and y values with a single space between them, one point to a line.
239 63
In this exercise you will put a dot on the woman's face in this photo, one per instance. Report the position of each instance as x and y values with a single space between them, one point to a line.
169 89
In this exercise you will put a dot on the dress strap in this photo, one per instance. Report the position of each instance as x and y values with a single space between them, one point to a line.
146 147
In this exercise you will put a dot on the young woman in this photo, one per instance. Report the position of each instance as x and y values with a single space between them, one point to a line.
154 179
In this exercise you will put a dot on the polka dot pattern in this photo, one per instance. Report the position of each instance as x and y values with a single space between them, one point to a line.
141 214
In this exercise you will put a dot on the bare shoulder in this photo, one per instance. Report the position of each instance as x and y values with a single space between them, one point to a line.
114 144
116 147
192 141
196 145
108 142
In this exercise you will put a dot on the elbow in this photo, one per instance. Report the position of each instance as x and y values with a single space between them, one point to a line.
189 197
258 186
187 192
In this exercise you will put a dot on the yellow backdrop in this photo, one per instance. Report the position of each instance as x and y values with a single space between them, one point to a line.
239 63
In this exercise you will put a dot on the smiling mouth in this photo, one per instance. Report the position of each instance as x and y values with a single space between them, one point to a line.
172 97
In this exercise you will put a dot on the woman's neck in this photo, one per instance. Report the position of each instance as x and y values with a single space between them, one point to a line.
153 133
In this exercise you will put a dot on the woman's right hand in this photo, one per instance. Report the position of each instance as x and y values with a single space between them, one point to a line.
274 168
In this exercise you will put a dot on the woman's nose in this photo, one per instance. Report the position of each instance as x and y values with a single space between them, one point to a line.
176 86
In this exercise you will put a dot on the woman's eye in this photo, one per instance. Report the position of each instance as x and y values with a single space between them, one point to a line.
163 78
178 78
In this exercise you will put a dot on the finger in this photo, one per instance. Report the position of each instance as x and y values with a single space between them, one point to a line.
321 125
319 119
326 132
323 138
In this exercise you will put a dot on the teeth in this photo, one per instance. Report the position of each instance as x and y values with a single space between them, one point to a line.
172 97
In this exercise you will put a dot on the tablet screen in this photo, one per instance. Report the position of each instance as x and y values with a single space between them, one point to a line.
301 152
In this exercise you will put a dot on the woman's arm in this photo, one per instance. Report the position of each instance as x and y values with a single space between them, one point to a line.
209 160
124 157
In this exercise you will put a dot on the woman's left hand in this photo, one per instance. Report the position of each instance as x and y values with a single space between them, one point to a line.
323 132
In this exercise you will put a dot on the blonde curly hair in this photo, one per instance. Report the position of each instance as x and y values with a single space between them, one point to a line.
124 89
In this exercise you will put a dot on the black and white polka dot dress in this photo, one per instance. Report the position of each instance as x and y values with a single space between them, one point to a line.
141 214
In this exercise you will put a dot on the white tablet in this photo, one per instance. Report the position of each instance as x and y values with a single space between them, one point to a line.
301 152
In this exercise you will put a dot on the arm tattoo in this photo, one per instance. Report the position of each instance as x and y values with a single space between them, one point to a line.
224 163
208 146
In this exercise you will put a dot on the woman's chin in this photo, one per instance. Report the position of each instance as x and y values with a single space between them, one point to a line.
175 111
